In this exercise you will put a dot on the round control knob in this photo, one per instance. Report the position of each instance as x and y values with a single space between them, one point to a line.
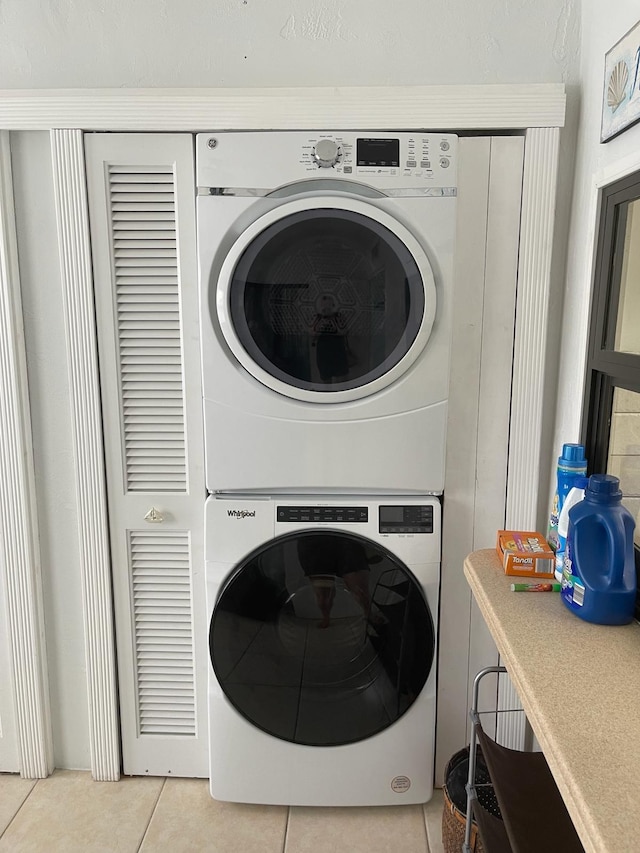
326 153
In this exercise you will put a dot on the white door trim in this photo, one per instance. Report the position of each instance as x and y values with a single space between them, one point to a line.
70 197
19 549
538 109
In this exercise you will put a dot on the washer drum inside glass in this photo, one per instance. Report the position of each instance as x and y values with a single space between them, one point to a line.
321 638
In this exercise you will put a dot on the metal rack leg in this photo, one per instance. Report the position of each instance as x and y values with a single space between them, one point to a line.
470 786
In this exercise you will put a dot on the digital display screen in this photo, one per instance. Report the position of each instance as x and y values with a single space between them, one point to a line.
378 152
405 519
389 514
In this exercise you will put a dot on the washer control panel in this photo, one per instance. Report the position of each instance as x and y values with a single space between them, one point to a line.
405 519
335 514
268 160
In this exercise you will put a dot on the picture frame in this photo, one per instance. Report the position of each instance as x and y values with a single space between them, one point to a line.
621 96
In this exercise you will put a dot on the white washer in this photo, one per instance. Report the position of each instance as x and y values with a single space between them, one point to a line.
322 636
325 264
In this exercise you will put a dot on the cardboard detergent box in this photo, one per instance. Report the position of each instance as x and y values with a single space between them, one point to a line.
525 554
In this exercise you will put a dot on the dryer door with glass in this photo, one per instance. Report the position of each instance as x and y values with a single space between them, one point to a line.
321 638
326 299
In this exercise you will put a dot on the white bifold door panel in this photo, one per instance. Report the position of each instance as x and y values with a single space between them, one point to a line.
141 201
486 272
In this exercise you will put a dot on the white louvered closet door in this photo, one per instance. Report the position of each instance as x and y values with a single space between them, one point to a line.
142 211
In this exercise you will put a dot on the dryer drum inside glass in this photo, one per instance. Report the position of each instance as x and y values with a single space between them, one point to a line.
327 300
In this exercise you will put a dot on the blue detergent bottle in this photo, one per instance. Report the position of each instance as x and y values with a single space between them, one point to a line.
571 464
599 574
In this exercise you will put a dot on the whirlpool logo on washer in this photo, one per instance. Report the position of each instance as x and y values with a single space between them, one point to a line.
241 513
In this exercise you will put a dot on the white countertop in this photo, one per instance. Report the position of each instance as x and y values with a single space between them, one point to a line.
580 687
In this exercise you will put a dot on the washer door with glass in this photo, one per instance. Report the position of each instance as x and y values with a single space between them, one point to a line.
321 638
326 299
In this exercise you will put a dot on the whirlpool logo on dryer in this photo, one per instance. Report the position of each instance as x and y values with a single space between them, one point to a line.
241 513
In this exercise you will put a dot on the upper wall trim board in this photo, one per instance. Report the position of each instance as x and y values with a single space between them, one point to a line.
495 107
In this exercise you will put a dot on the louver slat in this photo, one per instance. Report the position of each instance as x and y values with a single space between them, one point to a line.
161 586
158 221
141 240
147 308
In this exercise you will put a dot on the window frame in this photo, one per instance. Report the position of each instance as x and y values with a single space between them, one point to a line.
606 369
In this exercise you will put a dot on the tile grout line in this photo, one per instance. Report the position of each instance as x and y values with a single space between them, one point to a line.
153 811
286 830
426 827
19 809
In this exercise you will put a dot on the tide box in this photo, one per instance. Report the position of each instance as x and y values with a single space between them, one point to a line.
525 553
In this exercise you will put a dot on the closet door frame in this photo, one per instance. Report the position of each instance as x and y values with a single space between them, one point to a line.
536 110
26 718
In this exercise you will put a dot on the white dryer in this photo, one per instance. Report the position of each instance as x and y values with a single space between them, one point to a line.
322 638
325 264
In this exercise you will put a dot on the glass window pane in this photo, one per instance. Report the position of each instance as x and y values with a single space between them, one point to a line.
628 322
624 449
327 300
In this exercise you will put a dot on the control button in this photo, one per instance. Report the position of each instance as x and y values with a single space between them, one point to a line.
425 164
348 170
444 145
411 164
444 162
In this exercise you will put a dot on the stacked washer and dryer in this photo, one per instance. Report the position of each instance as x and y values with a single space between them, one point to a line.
326 298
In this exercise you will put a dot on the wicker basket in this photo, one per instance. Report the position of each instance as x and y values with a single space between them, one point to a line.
454 818
453 829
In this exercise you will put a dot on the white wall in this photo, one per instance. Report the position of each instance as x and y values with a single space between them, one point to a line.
149 43
603 24
193 43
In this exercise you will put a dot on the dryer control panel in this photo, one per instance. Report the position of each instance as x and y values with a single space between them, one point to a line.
392 162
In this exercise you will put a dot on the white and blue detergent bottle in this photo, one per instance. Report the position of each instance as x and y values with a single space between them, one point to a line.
571 464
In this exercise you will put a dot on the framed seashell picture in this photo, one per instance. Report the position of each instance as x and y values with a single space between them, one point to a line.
621 98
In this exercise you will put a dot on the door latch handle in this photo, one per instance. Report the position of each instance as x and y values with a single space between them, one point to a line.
153 516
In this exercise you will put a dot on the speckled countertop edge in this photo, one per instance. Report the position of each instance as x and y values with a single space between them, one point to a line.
580 687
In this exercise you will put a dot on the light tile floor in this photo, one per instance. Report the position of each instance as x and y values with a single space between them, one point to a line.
70 812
